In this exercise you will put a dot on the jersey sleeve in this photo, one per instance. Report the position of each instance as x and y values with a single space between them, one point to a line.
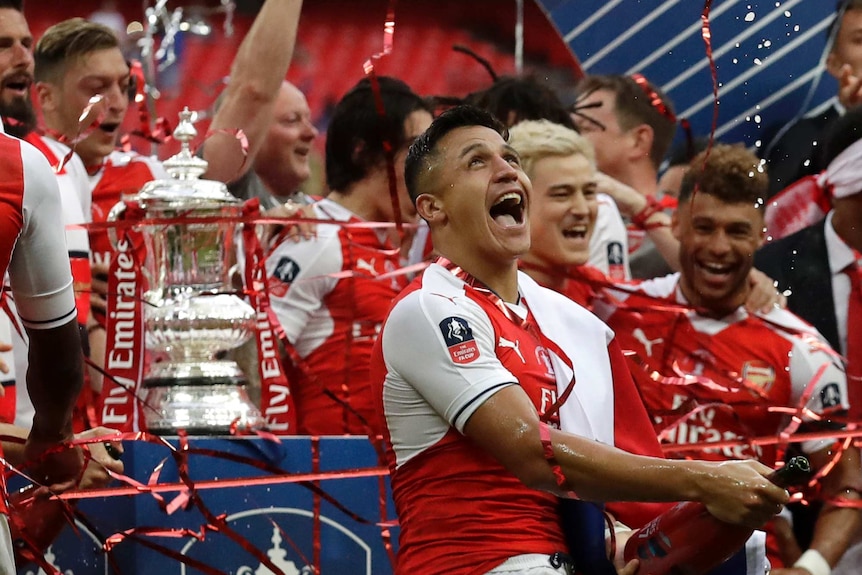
609 248
300 275
445 350
819 374
39 270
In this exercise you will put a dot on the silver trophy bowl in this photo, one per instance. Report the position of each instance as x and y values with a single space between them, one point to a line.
191 314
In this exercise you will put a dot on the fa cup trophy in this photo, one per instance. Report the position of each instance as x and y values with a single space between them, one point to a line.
191 313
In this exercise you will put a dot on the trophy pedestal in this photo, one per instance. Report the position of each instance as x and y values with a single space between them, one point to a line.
202 398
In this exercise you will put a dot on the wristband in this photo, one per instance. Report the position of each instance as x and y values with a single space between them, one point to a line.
548 449
813 562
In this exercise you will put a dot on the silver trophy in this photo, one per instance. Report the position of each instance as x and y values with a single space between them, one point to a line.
191 315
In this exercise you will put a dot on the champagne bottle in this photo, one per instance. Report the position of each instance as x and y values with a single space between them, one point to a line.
688 540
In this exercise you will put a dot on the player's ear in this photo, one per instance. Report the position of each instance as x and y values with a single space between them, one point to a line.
675 224
429 207
47 95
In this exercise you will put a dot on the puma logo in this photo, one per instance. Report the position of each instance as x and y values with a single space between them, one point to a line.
512 345
362 264
639 335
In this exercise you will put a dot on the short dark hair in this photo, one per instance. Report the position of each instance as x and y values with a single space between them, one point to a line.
359 134
67 40
424 150
731 174
842 133
13 5
528 97
634 107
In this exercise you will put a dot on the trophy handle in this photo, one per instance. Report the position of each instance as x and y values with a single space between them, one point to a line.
117 213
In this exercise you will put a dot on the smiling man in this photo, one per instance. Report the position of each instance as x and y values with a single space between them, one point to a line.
710 371
467 370
77 60
331 293
16 70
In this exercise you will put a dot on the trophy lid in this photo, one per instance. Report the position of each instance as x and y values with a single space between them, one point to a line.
185 188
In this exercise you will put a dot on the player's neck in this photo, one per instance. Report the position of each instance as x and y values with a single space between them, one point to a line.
544 274
503 282
714 309
499 277
643 179
368 198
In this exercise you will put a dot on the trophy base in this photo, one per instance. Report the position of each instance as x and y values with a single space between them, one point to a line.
204 398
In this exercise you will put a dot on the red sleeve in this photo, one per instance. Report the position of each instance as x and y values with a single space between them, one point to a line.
634 433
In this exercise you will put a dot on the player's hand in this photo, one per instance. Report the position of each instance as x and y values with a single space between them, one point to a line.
739 492
105 456
56 471
849 87
763 296
630 569
273 234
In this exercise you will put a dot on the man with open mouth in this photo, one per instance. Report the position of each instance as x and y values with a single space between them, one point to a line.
710 371
16 70
79 67
467 369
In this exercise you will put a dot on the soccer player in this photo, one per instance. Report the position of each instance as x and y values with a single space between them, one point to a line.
466 369
326 291
709 371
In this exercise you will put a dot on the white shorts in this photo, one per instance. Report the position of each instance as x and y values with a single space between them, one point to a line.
529 564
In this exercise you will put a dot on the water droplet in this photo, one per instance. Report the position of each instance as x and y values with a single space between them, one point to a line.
735 61
749 17
757 118
767 43
757 143
806 163
757 62
787 13
796 28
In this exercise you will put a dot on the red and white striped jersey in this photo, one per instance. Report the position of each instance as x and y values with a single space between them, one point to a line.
122 174
609 249
444 350
709 380
75 198
330 295
32 246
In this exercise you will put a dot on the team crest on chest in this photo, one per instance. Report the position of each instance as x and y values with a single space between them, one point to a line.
758 375
459 340
830 396
286 270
